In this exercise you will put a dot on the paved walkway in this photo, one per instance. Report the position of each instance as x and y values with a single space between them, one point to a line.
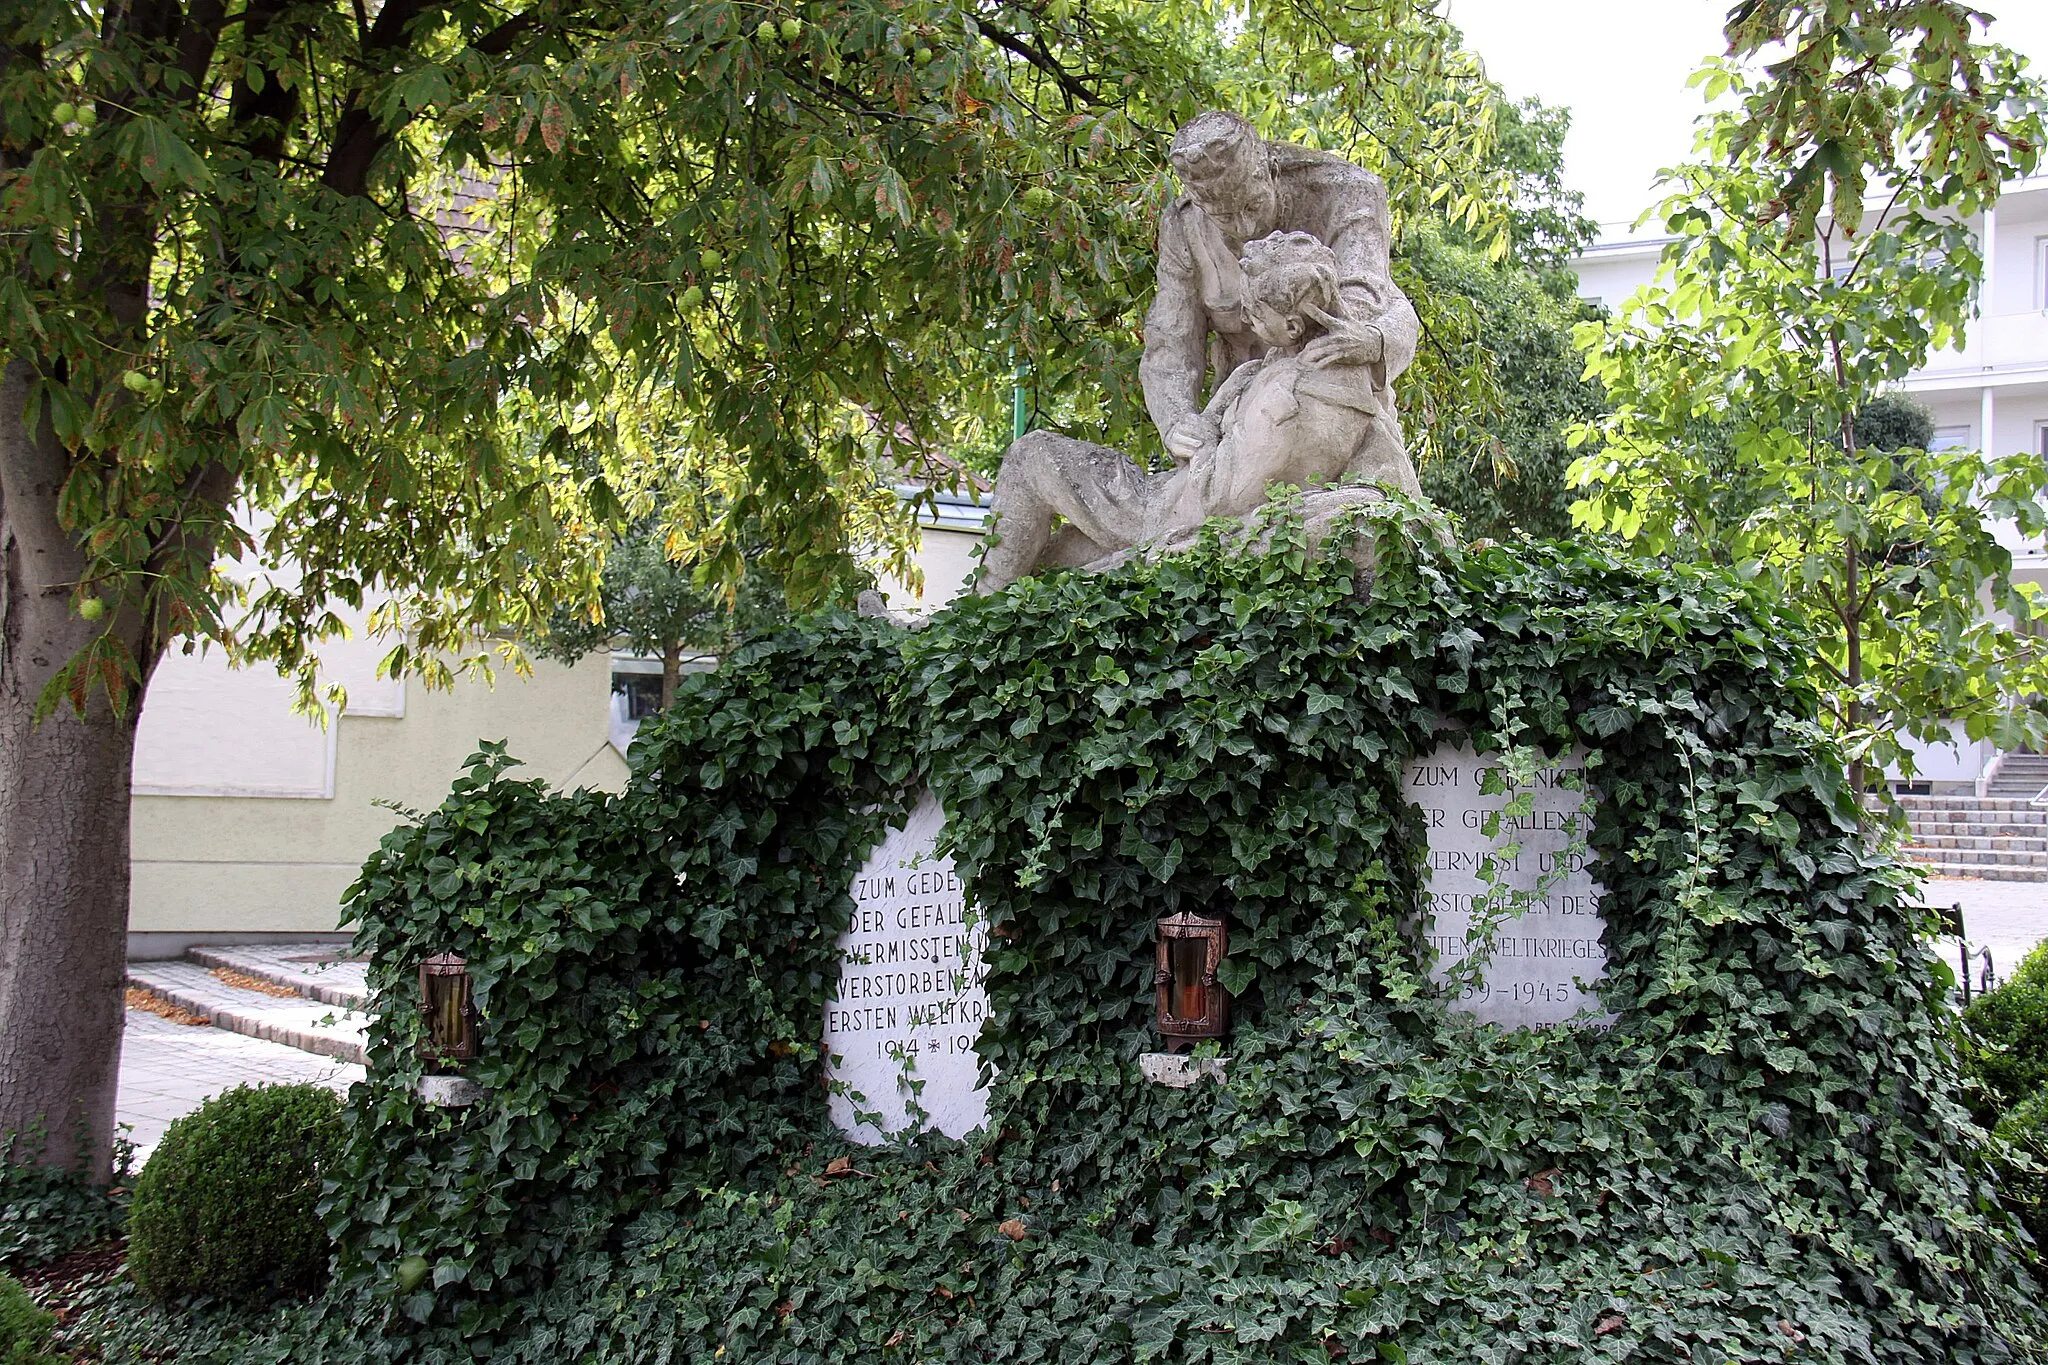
2005 918
318 971
255 1006
169 1069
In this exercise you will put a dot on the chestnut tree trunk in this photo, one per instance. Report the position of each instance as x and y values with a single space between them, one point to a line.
63 826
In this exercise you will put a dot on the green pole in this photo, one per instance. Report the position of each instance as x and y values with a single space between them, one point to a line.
1020 402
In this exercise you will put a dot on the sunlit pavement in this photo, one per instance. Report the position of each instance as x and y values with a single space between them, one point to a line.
169 1069
2004 918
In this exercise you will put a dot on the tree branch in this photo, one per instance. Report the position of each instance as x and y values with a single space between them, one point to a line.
183 552
266 112
357 138
198 36
1039 58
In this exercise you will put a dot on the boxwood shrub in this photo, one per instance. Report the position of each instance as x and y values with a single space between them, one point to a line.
2006 1034
227 1204
25 1329
1760 1160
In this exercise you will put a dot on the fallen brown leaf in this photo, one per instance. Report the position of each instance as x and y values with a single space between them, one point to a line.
1013 1228
1610 1324
152 1003
242 981
1543 1182
839 1165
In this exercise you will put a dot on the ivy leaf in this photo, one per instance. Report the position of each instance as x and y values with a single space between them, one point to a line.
1283 1222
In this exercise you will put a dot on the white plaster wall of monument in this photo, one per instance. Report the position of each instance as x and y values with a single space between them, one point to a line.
1547 957
910 999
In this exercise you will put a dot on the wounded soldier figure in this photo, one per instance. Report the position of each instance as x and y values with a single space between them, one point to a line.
1279 419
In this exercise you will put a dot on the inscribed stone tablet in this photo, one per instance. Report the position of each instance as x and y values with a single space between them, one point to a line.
910 999
1545 957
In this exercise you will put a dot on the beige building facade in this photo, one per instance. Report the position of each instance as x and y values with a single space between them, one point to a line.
249 822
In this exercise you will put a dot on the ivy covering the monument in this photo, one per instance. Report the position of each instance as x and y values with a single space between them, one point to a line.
1759 1160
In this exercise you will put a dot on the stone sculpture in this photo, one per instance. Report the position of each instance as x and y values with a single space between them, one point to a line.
1274 284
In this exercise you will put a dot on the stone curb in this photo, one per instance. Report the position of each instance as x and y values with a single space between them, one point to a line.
1988 872
305 983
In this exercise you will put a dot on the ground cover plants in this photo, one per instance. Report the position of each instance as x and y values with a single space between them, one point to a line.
1758 1161
49 1211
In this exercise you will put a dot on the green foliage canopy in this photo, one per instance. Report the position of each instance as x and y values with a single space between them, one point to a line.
1773 324
440 292
651 604
1502 469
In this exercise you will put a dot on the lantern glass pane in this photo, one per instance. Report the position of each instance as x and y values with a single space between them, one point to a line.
1190 998
447 1009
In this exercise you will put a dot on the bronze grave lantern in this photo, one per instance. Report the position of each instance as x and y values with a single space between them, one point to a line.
449 1004
1191 1003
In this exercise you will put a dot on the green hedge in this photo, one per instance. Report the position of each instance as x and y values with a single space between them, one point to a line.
227 1204
2024 1128
25 1329
2006 1034
1758 1161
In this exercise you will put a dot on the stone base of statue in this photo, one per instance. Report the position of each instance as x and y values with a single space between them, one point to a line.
1345 511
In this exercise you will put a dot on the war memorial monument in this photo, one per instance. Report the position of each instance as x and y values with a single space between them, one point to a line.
1254 925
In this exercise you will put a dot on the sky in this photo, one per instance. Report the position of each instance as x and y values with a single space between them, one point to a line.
1620 66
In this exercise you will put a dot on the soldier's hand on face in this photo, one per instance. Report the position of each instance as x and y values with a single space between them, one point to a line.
1343 342
1191 437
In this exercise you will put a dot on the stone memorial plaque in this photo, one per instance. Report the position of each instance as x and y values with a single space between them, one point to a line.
910 1000
1544 958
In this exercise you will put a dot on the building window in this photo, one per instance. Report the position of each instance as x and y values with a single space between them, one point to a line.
2041 438
642 692
1951 438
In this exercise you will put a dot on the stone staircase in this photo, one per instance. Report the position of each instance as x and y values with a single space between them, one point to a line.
2020 776
2002 836
305 995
